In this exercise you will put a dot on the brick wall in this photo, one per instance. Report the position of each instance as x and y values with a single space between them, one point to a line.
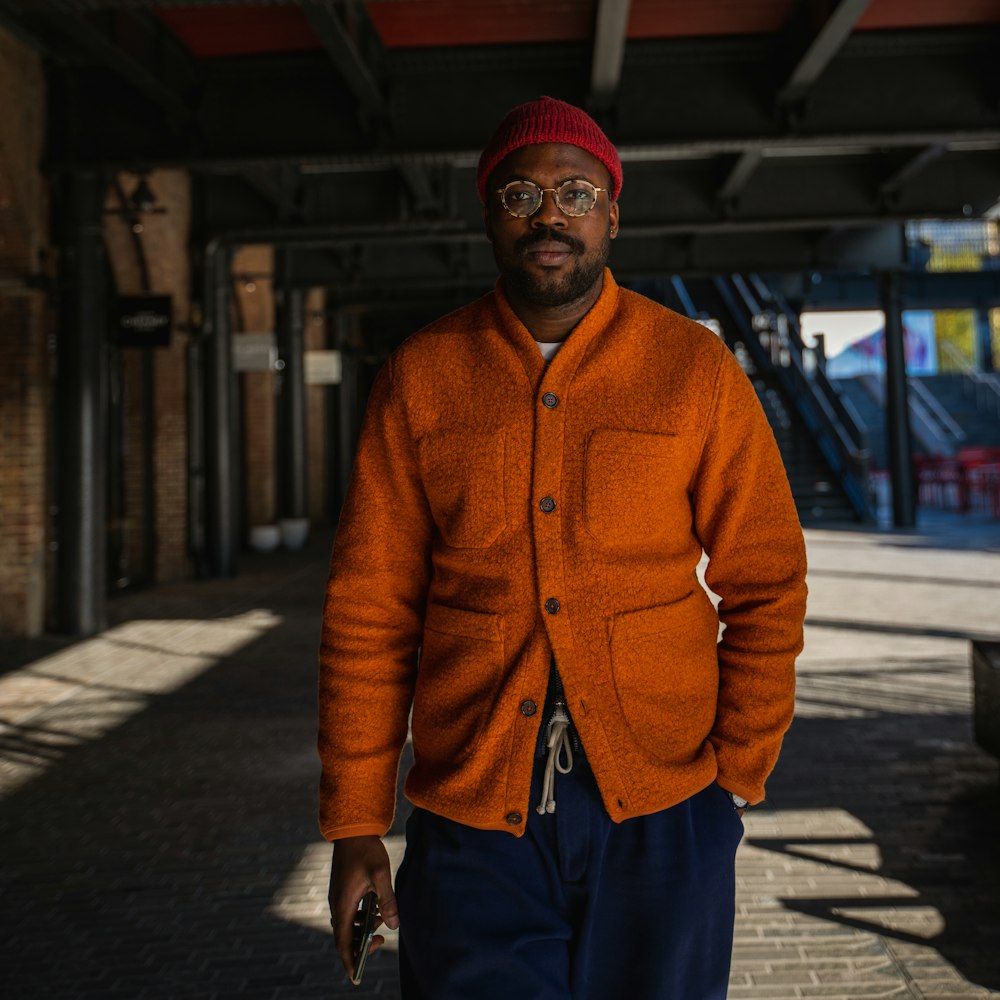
23 399
164 241
24 369
134 464
316 411
172 271
254 313
23 191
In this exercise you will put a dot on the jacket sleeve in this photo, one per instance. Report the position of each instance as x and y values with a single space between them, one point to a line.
747 523
372 623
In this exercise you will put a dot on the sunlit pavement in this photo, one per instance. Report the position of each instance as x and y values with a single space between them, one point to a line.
157 824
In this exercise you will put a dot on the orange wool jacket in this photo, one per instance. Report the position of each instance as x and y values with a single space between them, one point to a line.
502 510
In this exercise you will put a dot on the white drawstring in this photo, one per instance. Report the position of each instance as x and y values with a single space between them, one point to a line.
557 742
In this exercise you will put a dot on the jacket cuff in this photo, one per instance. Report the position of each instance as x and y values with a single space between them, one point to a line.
357 830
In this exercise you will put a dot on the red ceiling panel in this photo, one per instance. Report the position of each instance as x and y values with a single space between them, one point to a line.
249 29
420 23
684 19
240 30
929 13
423 23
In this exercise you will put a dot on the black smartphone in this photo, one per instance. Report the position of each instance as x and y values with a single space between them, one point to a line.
364 930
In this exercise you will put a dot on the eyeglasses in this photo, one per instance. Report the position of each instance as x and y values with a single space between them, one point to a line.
574 198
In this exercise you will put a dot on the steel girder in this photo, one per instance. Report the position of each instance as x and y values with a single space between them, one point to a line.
886 126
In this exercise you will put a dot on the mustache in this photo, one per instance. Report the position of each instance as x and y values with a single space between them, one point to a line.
548 235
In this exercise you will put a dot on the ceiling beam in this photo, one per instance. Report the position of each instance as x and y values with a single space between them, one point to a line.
345 53
744 168
13 20
78 35
822 45
423 198
859 104
278 184
891 186
422 234
839 287
787 147
609 51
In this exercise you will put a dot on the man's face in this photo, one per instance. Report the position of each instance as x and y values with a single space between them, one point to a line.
550 259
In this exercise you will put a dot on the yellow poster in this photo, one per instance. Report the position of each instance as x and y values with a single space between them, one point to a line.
954 258
956 339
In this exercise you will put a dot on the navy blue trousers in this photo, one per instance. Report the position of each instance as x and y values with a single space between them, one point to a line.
579 908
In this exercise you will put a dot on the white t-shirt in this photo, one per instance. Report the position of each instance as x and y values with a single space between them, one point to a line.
549 350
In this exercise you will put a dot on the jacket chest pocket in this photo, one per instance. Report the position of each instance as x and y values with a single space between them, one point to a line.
635 488
463 474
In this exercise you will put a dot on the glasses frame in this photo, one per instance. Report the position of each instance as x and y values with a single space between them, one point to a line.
555 197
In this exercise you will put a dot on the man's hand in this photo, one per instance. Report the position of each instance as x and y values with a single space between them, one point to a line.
359 864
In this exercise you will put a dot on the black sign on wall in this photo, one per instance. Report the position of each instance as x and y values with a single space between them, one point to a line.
145 320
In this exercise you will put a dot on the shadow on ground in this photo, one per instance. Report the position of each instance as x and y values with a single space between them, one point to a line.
144 864
931 801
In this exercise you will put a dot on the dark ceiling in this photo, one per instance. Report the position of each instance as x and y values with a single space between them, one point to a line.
766 134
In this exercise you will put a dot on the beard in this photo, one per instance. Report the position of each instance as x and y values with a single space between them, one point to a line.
552 290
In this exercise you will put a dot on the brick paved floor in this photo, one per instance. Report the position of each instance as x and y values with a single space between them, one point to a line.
157 823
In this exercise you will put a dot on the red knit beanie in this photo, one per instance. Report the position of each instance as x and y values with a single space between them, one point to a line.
548 120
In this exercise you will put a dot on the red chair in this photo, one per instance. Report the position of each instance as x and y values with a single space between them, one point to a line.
942 483
981 469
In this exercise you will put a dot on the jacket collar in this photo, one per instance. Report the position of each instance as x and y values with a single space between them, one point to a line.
577 341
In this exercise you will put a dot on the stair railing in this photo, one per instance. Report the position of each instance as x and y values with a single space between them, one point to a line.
843 443
946 426
985 387
684 297
932 434
846 419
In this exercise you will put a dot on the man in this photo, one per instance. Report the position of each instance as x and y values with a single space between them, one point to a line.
535 482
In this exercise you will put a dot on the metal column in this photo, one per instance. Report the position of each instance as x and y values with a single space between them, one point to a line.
291 436
196 454
81 575
220 520
897 406
196 348
348 398
987 362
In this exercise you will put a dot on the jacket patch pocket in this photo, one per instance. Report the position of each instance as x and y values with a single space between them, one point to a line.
463 473
635 488
461 664
665 667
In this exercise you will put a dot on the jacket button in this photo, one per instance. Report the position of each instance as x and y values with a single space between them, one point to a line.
547 504
528 707
550 399
552 605
514 819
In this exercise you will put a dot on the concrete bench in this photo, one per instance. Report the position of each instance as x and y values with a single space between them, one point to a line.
986 695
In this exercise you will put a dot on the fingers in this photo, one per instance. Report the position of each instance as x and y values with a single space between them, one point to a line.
387 906
342 921
360 864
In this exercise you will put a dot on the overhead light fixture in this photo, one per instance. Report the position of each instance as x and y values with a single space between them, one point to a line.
143 200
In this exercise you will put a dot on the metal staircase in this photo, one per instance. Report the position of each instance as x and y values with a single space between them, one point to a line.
822 441
947 412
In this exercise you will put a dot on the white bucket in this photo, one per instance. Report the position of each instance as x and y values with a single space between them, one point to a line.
265 537
294 531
